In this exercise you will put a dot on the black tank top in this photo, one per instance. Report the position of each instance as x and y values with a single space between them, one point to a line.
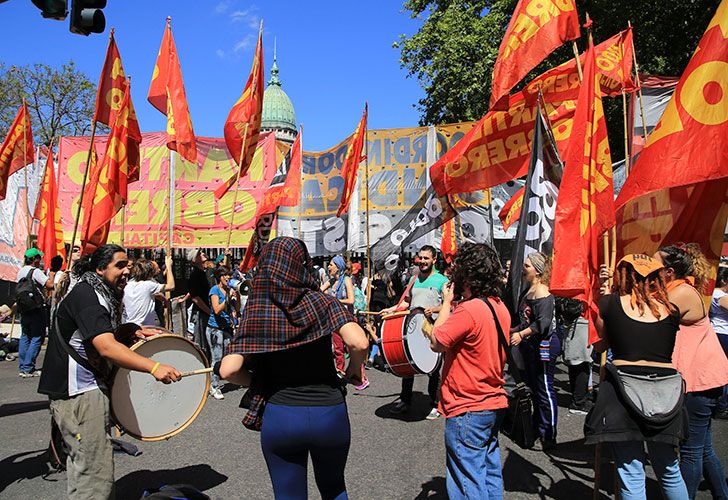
633 340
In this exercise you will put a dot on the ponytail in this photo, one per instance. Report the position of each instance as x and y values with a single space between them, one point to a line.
99 259
687 259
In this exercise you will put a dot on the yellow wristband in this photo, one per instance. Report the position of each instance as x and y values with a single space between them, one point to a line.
154 368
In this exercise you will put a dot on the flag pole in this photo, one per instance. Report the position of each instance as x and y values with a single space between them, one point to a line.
300 183
639 87
123 220
28 221
237 180
577 59
366 205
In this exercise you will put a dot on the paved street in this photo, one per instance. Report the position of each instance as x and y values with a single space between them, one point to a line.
400 458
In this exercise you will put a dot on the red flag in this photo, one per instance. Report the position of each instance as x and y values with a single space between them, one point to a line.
511 211
109 181
585 207
614 70
112 85
17 150
350 166
449 244
242 127
498 148
167 94
50 231
690 142
285 188
536 29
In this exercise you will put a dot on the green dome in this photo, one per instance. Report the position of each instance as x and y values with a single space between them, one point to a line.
278 110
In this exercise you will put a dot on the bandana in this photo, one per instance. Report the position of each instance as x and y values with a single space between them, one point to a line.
285 308
643 264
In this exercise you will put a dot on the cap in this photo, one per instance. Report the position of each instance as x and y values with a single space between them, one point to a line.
32 253
643 264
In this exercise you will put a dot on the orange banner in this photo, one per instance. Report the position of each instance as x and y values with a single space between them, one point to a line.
50 231
17 150
351 164
537 28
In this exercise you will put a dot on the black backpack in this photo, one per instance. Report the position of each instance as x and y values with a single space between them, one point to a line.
29 296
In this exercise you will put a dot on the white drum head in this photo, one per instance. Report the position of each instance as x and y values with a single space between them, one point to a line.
150 410
418 345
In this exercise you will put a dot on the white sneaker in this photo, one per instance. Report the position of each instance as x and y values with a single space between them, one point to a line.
216 393
433 415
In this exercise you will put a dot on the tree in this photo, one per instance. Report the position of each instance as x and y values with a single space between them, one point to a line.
60 100
453 53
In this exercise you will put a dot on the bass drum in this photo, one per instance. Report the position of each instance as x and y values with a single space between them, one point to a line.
405 347
150 410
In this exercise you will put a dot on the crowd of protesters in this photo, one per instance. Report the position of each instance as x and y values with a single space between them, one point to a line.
652 321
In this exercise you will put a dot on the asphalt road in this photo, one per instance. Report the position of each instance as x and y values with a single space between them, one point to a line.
399 458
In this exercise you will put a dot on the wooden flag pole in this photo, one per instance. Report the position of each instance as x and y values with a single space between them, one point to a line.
237 180
123 221
578 60
366 205
83 186
639 87
299 216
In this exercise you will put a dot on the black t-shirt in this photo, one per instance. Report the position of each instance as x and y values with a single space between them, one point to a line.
79 311
199 285
302 376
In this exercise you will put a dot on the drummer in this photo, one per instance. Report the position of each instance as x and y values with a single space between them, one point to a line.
423 291
78 362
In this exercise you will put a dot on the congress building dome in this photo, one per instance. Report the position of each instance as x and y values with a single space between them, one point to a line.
278 114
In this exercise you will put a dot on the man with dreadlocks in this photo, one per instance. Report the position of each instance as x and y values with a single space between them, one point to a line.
81 351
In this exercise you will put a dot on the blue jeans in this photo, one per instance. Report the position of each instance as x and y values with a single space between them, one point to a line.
723 401
290 433
629 459
473 456
218 341
33 326
697 456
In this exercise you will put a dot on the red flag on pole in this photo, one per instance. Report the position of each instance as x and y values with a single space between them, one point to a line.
112 85
511 211
242 127
449 243
109 181
50 231
167 94
17 150
536 29
585 207
350 166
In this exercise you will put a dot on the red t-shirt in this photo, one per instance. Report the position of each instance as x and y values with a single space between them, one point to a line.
472 376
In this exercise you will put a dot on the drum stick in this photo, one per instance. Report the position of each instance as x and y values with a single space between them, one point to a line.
196 372
369 313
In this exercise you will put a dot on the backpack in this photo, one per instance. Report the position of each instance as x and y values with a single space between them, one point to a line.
29 296
360 301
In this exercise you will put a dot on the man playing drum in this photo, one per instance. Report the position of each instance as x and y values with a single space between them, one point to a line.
81 351
423 291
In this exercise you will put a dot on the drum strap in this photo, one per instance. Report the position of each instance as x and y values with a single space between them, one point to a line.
406 292
72 352
503 341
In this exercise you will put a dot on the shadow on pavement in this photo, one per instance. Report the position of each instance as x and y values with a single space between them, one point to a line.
420 408
434 489
14 468
201 476
9 409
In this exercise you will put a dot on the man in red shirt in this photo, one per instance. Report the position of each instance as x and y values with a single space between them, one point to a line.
473 399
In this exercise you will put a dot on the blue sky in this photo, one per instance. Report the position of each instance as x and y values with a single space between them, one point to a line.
332 55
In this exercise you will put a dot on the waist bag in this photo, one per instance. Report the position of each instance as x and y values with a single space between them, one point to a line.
655 398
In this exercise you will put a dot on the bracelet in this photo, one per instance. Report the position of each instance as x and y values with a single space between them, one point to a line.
154 368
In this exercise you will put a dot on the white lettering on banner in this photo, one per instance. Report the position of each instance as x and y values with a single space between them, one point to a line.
334 240
541 211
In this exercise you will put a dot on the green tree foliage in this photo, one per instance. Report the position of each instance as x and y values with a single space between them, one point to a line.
60 100
453 53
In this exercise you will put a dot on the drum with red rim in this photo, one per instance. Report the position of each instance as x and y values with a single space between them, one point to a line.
405 347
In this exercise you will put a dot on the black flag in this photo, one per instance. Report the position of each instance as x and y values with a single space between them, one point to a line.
536 225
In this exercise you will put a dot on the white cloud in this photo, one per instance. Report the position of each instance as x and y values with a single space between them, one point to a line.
220 53
222 6
247 17
245 43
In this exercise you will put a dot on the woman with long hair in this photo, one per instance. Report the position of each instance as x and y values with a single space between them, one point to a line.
283 352
535 337
640 325
701 361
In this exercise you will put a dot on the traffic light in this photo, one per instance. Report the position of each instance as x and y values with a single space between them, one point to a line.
87 17
52 9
